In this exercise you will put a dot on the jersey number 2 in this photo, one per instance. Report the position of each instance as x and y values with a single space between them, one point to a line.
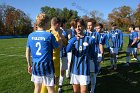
39 47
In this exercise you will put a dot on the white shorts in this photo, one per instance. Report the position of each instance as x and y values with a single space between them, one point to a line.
114 50
80 79
69 56
132 50
46 80
99 57
92 66
63 63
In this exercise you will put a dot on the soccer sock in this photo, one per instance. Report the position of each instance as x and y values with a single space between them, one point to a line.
61 78
127 59
68 71
93 82
111 60
115 60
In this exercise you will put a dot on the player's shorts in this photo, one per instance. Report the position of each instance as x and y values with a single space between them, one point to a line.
46 80
80 79
138 46
132 50
114 50
92 66
69 56
63 63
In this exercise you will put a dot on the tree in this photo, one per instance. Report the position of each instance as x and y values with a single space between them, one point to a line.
97 16
63 14
14 21
121 16
137 15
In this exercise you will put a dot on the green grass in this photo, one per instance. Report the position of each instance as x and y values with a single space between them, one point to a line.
15 79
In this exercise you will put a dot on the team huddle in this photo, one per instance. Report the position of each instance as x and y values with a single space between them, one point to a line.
77 51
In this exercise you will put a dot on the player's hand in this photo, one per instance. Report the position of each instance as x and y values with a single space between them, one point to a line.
29 69
78 36
129 46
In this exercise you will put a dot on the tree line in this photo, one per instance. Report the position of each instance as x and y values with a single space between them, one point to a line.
15 22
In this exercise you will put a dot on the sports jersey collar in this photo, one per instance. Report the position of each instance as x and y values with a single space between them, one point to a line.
40 31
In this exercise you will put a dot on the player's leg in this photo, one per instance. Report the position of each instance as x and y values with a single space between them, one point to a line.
75 81
115 57
83 88
37 88
76 88
48 81
69 56
93 82
63 67
37 83
111 58
84 81
50 89
92 76
135 54
128 51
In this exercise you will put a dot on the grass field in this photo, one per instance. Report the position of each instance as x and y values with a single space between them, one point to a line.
15 79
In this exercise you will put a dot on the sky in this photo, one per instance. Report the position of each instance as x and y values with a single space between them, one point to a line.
83 7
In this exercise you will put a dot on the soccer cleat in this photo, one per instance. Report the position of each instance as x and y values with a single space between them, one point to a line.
127 64
111 67
115 67
133 59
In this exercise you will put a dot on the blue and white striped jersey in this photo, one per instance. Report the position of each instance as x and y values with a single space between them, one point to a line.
63 50
41 44
115 38
104 39
132 36
95 36
81 54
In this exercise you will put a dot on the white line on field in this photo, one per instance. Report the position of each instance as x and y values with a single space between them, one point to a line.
12 55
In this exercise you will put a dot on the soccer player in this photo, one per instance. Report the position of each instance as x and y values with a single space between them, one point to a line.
40 45
115 40
103 39
93 62
63 60
82 46
132 45
57 32
71 33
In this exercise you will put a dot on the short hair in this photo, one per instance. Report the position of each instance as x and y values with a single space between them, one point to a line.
137 26
81 21
73 23
41 19
99 24
132 26
55 20
91 20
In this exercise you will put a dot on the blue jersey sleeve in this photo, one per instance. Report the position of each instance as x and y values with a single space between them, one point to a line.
135 35
27 45
70 44
106 41
121 38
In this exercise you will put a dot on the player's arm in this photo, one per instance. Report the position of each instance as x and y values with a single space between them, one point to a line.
101 45
70 44
135 39
121 39
28 60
